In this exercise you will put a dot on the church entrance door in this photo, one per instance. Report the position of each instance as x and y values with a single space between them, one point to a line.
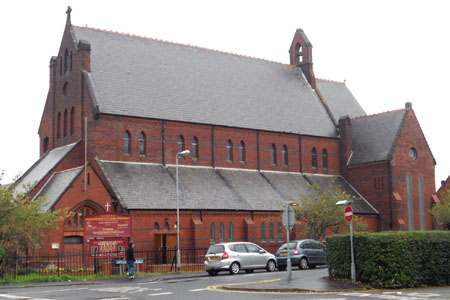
166 244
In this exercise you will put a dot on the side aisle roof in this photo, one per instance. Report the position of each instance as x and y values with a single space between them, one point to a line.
42 167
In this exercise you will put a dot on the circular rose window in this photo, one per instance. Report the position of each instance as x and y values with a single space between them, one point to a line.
412 153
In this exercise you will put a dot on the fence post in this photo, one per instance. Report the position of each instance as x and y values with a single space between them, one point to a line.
57 263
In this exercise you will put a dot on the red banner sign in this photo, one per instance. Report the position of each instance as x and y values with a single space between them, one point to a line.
107 225
115 248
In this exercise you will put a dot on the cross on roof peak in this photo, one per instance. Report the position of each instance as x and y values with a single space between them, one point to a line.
68 11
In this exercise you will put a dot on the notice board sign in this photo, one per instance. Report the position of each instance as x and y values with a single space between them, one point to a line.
107 225
115 248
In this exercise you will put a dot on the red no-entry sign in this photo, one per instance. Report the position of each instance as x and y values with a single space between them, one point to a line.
348 213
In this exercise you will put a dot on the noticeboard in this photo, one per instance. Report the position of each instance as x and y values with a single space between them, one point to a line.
108 248
107 225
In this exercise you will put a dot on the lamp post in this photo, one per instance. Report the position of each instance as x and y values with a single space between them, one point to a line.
288 221
349 218
182 153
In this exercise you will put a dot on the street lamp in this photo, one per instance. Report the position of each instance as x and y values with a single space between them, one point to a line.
288 220
182 153
350 228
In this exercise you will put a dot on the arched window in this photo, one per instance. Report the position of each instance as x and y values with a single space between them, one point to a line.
180 143
126 142
262 229
242 151
58 126
421 203
280 232
66 57
72 116
230 150
314 158
71 61
212 233
300 53
222 232
195 147
410 202
166 226
45 146
156 227
230 232
65 123
284 155
271 233
273 154
142 150
325 159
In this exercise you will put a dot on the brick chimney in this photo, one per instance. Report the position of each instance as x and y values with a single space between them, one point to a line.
301 56
345 144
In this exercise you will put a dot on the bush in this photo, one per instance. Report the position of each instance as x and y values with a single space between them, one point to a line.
393 259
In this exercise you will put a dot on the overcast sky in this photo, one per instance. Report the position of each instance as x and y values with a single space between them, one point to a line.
388 53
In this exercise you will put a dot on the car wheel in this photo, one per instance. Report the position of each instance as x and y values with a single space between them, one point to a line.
303 264
234 268
212 273
249 271
271 266
281 268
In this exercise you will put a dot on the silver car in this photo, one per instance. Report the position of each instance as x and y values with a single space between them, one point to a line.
237 256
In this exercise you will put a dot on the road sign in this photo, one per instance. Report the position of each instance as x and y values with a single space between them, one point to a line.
348 213
289 211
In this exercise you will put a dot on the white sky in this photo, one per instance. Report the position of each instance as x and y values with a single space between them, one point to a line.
389 53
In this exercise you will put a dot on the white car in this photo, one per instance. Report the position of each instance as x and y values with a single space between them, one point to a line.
237 256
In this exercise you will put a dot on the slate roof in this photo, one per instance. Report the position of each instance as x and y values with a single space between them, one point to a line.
152 186
57 184
339 99
148 78
373 137
42 167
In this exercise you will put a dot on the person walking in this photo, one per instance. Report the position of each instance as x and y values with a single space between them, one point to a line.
131 261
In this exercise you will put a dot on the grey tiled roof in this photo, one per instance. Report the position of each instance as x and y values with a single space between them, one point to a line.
154 79
56 186
42 167
152 186
339 99
360 205
373 137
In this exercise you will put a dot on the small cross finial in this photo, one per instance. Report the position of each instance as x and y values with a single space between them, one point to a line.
107 206
68 11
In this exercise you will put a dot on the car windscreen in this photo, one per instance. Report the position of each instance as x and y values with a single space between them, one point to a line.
216 249
291 246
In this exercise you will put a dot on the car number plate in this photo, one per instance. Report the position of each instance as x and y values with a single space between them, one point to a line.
283 254
213 258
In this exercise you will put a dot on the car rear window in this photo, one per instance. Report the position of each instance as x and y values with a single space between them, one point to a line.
291 246
216 249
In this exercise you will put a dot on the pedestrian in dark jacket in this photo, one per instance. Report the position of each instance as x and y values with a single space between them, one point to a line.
131 261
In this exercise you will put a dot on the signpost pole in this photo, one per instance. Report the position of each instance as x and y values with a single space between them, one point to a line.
349 217
289 267
353 269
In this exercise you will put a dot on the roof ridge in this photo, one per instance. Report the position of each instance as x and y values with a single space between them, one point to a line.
378 114
68 170
330 80
181 44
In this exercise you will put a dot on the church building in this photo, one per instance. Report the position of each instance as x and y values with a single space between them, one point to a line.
120 108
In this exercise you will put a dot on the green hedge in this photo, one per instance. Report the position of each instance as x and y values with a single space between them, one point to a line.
393 259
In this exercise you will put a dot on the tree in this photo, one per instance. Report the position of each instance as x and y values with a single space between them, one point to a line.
441 211
23 222
320 212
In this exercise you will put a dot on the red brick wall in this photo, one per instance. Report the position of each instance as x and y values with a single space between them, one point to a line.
411 135
95 198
